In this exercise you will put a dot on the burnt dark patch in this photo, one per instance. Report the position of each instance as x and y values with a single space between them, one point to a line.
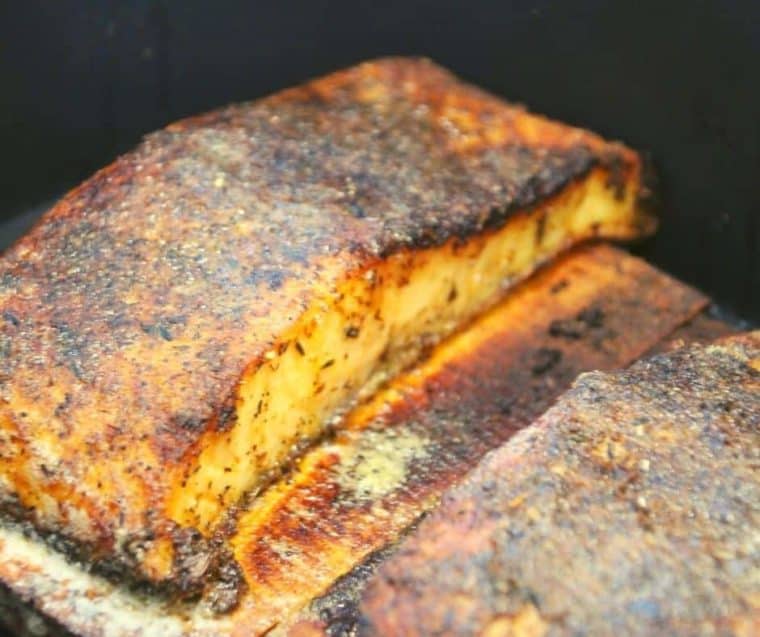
272 278
505 404
544 359
63 406
540 229
591 318
11 318
189 421
226 418
352 331
567 328
157 330
206 566
559 286
338 608
357 210
225 589
616 173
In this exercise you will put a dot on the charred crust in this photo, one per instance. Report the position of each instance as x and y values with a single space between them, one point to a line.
203 569
543 174
617 173
338 608
11 318
190 422
227 416
224 590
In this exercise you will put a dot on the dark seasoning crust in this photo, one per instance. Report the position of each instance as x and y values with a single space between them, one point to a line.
628 508
144 294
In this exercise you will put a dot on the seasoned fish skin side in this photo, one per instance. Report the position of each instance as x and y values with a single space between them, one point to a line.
179 325
630 507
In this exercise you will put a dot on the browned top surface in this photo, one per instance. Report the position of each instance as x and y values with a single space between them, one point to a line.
129 312
630 507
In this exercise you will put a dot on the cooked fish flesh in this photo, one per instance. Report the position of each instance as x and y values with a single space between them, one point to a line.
176 329
631 507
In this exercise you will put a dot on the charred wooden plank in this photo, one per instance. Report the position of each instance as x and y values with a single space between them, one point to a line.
630 507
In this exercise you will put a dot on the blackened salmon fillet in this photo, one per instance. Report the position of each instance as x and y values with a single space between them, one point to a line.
179 327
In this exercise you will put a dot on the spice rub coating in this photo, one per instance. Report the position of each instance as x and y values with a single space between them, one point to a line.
630 507
132 315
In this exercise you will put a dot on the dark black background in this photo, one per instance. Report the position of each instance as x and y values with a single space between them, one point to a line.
81 81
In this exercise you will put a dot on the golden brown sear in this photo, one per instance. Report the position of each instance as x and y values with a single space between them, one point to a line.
182 324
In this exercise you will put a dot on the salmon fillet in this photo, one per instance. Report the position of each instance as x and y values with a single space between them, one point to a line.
179 327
